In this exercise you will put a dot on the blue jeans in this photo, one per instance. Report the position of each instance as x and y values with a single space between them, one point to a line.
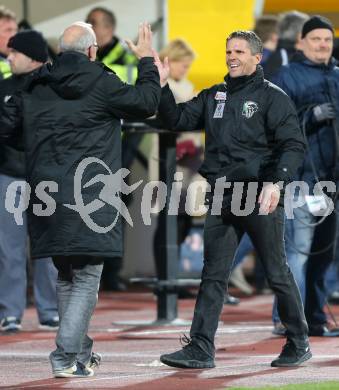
244 248
13 265
332 274
309 271
77 291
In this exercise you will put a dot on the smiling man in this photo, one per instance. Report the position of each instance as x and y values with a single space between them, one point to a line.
252 135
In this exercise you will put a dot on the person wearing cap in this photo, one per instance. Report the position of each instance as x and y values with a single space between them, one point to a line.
312 81
27 52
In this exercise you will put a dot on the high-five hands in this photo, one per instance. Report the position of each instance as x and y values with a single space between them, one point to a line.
163 68
143 48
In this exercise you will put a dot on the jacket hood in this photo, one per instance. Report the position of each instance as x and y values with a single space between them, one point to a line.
71 75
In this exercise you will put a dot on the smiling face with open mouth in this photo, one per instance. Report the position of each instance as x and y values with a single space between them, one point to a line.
239 59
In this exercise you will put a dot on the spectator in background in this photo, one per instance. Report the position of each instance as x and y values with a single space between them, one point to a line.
27 51
312 81
111 50
8 28
289 32
266 27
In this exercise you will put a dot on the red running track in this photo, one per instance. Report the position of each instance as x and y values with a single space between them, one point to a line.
245 348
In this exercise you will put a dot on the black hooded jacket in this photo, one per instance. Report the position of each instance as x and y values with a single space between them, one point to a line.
71 112
252 129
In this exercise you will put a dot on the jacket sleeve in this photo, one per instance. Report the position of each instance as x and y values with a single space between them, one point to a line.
184 116
285 137
11 119
137 101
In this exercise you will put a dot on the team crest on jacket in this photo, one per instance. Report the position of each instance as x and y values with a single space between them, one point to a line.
249 108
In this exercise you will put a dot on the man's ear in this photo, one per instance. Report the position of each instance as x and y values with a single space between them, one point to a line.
92 53
258 58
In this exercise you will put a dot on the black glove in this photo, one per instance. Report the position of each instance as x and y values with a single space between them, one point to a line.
324 112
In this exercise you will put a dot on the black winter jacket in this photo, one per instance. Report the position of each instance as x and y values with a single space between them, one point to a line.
72 111
12 157
252 130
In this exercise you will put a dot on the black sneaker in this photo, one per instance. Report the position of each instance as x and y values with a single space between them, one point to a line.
10 324
291 356
52 324
78 370
190 356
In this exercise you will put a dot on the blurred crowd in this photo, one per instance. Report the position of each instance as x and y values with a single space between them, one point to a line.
304 66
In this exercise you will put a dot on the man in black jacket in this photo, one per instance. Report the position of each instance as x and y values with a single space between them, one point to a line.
71 117
252 135
27 53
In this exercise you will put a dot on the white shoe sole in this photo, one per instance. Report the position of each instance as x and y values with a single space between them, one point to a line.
50 328
63 374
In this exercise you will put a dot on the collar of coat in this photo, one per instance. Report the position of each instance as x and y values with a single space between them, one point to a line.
301 58
234 84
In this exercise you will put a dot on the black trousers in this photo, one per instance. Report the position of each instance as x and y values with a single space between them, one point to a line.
221 238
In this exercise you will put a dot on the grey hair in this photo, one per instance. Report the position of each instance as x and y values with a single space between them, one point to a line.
250 37
290 25
82 42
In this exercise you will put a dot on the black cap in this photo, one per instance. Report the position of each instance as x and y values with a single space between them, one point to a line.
31 43
315 22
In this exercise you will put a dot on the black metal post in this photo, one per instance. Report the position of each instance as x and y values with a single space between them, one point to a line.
168 266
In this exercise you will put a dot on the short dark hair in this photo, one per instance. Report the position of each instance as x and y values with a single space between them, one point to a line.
251 37
109 16
6 13
265 26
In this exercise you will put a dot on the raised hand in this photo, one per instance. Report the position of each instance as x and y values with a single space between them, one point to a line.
143 48
163 68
